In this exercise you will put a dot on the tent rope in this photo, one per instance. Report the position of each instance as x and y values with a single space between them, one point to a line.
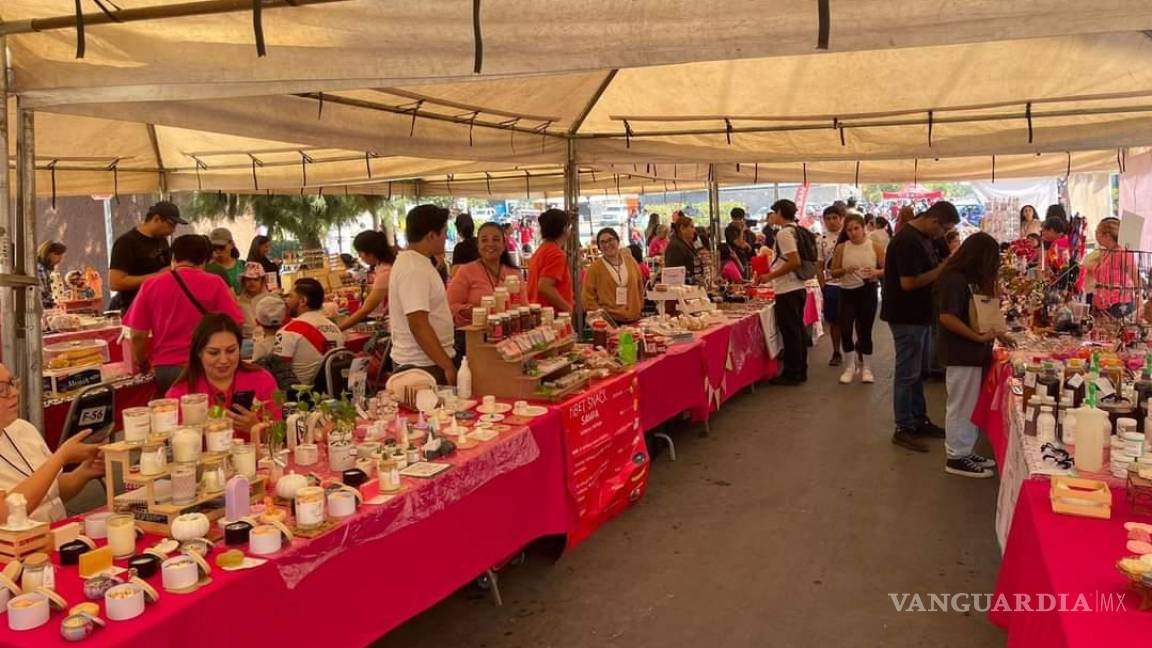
993 169
824 16
1068 170
80 44
258 27
415 113
52 169
728 131
627 135
805 169
857 182
1120 159
477 37
1028 116
320 105
114 167
916 171
755 173
368 163
931 119
488 182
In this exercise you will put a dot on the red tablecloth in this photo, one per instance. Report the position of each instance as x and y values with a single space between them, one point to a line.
1068 556
371 585
990 413
355 341
133 393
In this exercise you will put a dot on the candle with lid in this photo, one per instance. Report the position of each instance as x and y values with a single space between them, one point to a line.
137 424
186 444
194 409
165 415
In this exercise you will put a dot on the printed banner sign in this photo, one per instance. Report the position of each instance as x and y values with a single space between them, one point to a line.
605 452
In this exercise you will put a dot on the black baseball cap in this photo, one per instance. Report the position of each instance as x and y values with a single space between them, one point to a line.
167 211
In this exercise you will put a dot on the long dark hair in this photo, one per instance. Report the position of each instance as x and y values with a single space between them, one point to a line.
505 257
850 218
650 230
978 259
254 247
209 325
375 243
1035 214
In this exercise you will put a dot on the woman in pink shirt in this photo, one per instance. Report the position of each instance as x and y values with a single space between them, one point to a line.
659 241
214 368
375 250
478 279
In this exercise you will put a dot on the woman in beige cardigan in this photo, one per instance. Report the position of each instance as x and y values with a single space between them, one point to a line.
614 284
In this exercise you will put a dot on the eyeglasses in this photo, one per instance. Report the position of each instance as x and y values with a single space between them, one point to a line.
7 388
606 242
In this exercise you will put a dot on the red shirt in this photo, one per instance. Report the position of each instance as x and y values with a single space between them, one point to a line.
549 261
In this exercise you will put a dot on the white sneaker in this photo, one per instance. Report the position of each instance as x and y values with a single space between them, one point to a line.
866 376
847 375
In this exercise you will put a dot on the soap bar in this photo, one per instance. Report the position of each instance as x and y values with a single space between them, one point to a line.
95 561
64 534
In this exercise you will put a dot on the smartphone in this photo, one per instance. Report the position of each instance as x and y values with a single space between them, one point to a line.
243 398
100 437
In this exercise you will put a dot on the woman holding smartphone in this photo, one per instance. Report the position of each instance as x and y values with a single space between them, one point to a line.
27 466
214 368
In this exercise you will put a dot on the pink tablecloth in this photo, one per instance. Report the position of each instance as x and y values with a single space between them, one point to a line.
368 587
990 413
1068 556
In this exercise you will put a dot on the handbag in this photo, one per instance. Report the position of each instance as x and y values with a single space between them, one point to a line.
984 314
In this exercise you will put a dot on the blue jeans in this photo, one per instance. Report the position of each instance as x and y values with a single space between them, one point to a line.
913 346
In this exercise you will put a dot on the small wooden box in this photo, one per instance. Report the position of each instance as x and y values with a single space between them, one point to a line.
1083 497
14 545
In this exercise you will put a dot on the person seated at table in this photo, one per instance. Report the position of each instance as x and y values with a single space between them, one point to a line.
1114 273
549 278
214 368
477 279
375 250
614 283
304 340
28 467
252 290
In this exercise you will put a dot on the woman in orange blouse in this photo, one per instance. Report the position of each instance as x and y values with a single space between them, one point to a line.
480 278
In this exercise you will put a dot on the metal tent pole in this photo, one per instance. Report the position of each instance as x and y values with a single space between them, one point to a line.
572 206
714 214
27 298
7 307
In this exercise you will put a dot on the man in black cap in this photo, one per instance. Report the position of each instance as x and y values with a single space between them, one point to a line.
142 252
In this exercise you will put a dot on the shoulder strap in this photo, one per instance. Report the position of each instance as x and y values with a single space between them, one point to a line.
188 293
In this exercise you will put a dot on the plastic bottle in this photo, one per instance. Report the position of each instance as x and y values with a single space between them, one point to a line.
464 381
1093 429
627 348
1046 425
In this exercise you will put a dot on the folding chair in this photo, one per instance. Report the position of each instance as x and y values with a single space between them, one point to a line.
333 376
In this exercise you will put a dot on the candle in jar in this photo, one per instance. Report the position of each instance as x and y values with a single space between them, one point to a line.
309 507
137 424
184 483
194 409
165 415
122 535
186 445
218 435
153 459
244 458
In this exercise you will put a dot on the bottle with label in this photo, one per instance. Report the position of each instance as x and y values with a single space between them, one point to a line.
1074 374
1031 411
464 381
1093 429
1046 425
1065 419
1048 383
1031 373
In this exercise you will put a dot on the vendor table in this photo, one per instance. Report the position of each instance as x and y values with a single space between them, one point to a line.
351 586
1068 556
564 473
134 391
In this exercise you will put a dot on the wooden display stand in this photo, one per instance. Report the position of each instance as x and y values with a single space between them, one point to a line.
492 375
1083 497
153 516
14 545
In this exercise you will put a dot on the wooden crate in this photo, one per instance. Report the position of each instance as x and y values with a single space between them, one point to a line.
14 545
1083 497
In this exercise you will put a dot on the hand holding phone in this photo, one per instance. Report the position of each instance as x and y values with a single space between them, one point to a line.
243 399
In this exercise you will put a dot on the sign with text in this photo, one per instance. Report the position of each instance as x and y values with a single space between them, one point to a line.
605 453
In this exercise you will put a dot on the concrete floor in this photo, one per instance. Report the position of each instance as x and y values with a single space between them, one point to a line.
787 526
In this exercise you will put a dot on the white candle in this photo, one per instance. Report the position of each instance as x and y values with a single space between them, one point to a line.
137 424
153 460
186 445
218 436
244 459
165 415
122 535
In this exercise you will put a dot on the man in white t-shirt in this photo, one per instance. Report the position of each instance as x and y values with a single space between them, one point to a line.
829 285
305 339
790 296
420 320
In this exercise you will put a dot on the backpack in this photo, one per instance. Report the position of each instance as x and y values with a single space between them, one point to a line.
806 249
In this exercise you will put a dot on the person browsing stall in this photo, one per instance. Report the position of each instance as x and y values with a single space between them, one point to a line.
856 264
214 367
29 468
911 267
830 285
614 284
258 252
421 321
791 295
141 253
169 305
477 279
48 258
375 250
549 278
226 261
681 251
304 340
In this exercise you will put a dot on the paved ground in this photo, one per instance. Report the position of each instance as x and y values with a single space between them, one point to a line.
787 526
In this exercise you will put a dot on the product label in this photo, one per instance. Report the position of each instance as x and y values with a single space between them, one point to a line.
1075 381
1029 379
1105 387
